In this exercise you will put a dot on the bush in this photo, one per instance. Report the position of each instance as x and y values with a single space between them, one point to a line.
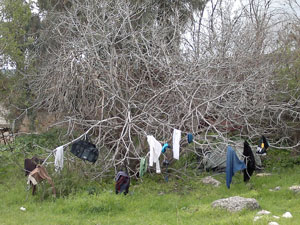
280 158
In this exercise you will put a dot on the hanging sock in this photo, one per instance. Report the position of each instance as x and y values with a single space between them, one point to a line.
59 158
143 167
155 151
233 164
190 138
176 140
164 148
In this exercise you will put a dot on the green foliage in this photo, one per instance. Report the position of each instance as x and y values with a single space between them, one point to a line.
280 159
288 75
14 23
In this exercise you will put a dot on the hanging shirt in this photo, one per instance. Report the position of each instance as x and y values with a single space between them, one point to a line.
176 140
155 151
233 164
59 158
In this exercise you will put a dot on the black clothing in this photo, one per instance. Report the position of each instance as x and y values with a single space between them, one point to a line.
249 161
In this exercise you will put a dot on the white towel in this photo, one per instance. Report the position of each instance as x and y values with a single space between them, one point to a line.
155 151
59 158
176 140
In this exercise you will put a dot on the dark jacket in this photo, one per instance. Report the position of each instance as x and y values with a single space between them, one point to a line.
249 161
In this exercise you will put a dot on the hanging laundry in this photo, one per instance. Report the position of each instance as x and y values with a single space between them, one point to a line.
176 140
249 161
263 145
164 148
155 151
190 138
59 158
233 164
85 150
122 182
143 167
37 175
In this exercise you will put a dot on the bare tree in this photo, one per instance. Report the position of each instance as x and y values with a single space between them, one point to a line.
112 68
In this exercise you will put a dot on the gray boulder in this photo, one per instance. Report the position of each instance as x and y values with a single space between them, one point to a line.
212 181
236 203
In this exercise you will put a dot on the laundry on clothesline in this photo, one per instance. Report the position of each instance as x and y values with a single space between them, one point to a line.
233 164
85 150
30 164
164 148
155 151
37 175
122 182
176 143
249 160
190 138
59 158
263 145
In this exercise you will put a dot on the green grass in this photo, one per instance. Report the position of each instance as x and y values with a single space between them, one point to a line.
151 201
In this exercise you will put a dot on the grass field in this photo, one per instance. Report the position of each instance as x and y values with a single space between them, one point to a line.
151 201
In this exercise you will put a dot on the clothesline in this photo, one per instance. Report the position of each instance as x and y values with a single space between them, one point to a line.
74 140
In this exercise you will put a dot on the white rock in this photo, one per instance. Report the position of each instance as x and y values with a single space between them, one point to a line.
23 209
276 217
263 212
256 218
295 188
236 203
212 181
263 174
273 223
287 215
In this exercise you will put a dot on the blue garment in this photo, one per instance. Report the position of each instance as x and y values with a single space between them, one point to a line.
190 138
233 164
164 148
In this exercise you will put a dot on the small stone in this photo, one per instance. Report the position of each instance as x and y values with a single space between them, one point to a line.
263 212
275 189
295 188
212 181
263 174
287 215
256 218
273 223
276 217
